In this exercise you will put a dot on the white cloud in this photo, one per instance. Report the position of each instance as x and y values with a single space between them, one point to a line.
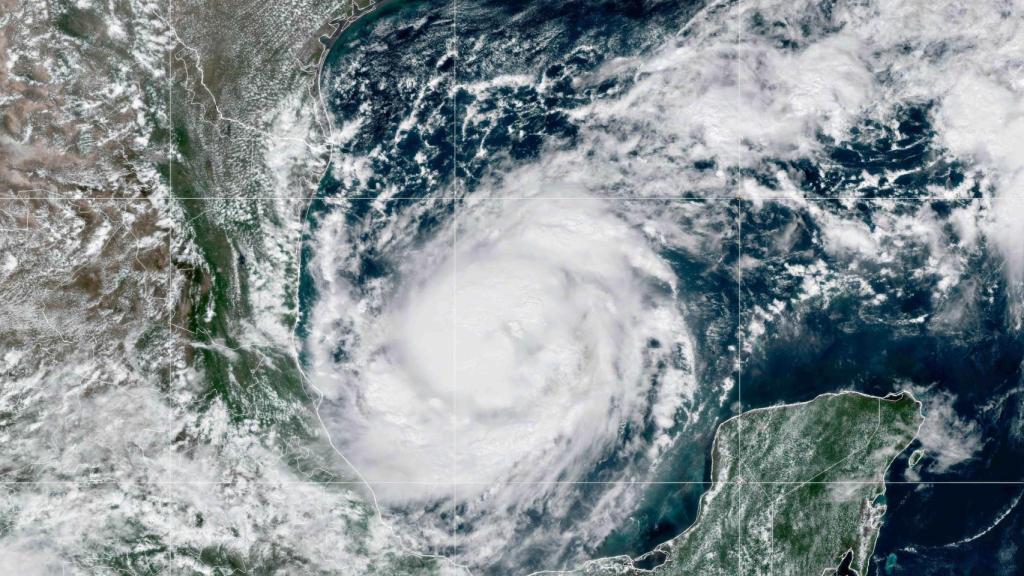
947 438
535 335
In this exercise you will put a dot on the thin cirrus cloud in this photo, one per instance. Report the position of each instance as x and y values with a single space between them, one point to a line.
517 354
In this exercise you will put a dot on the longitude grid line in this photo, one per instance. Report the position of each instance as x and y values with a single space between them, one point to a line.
170 199
455 283
454 198
739 295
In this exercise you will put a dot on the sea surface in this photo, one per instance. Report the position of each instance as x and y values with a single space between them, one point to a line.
389 80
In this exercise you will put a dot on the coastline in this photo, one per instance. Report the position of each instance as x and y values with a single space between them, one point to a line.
628 564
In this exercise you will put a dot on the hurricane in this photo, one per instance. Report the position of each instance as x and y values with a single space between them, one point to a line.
517 348
517 318
448 287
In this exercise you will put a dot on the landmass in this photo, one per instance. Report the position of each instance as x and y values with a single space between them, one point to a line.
144 229
795 489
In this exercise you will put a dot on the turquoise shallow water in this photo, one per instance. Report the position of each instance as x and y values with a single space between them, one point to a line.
390 75
394 79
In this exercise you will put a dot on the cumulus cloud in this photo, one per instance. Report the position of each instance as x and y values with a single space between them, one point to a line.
893 53
947 438
521 351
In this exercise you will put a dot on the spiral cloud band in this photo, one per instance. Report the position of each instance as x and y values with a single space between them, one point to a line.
542 336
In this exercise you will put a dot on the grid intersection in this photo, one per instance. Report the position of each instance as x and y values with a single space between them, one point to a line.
455 198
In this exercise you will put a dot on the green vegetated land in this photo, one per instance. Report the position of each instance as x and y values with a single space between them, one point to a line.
796 490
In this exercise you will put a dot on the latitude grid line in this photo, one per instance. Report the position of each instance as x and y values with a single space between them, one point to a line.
456 483
102 482
733 198
737 199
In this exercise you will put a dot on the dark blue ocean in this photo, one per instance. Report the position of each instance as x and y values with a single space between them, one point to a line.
938 522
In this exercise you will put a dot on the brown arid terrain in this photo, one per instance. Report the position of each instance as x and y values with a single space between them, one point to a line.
357 287
154 160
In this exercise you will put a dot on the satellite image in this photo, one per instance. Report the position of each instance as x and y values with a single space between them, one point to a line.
512 287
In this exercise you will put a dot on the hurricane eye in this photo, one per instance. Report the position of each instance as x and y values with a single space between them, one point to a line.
522 351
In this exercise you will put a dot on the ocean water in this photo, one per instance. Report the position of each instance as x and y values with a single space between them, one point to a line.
421 109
